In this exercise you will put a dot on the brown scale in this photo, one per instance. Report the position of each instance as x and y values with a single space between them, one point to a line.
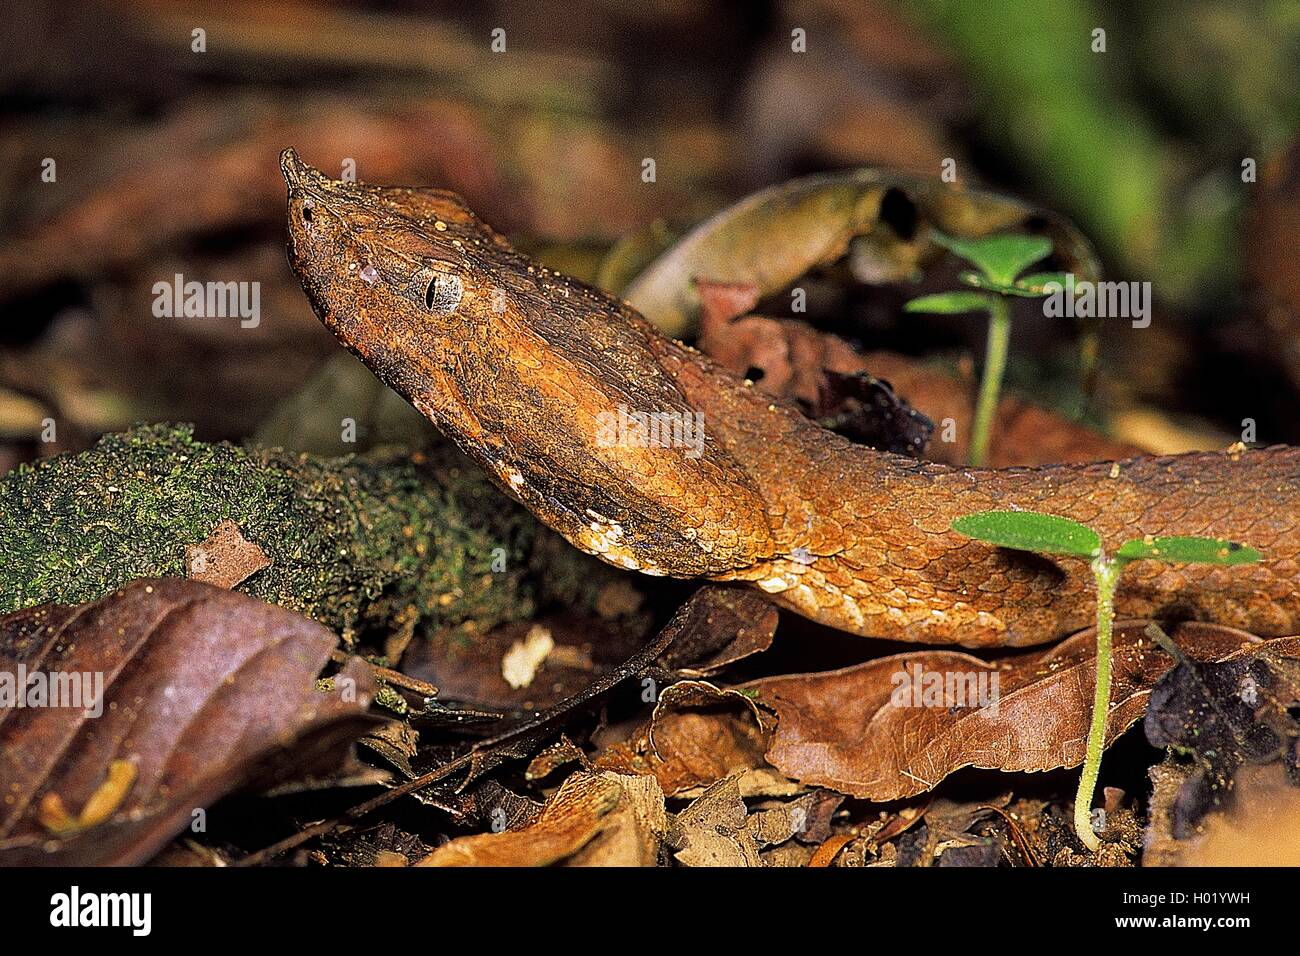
525 368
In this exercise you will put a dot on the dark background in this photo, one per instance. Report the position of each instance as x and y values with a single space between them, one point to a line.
166 163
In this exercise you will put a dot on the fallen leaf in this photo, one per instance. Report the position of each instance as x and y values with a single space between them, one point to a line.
380 844
722 625
203 691
772 237
225 558
397 742
1026 433
789 358
807 819
896 726
594 819
502 808
568 821
525 737
634 832
711 831
564 751
945 836
983 853
697 735
828 851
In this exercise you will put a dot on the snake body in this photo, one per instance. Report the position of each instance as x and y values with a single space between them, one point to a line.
525 369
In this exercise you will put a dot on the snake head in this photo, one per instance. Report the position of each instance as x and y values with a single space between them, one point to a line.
394 274
538 377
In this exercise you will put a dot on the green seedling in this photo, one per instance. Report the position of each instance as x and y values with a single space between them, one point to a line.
1050 534
998 261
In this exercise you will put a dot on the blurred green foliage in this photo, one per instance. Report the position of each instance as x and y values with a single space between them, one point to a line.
1142 143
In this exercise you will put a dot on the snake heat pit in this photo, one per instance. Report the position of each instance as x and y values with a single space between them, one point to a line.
522 368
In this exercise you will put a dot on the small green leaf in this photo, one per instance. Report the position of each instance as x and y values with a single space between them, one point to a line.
980 281
1031 531
949 303
1000 257
1038 281
1185 550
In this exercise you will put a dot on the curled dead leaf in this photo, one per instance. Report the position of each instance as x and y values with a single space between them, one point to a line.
772 237
594 819
697 735
792 359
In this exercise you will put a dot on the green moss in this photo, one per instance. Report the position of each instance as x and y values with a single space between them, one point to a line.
391 700
354 541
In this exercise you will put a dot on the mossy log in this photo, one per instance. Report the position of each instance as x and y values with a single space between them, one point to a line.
359 543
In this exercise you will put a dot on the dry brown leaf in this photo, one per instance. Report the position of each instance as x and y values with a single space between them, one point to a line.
570 819
723 625
202 691
697 735
594 819
562 752
225 558
633 833
712 830
843 730
828 851
806 819
1026 434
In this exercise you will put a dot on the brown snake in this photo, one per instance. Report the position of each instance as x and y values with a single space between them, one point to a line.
523 368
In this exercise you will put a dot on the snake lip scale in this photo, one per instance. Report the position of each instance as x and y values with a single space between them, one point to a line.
523 368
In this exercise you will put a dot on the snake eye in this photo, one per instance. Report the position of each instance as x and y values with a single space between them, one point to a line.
443 293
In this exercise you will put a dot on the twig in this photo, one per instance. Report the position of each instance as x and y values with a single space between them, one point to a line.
488 753
390 676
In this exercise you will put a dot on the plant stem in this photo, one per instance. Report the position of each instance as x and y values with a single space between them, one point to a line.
1107 572
995 363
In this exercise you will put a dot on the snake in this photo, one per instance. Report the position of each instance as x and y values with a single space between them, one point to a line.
638 449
